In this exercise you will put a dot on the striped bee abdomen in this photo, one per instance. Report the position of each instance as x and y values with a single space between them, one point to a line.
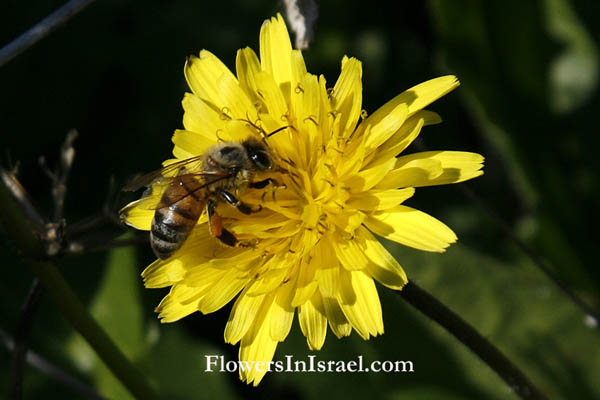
177 214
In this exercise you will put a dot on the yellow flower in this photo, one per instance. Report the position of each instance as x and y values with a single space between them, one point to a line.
338 182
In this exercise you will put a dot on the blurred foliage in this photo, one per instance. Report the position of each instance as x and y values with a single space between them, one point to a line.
528 102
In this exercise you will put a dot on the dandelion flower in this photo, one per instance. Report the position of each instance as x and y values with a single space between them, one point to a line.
339 182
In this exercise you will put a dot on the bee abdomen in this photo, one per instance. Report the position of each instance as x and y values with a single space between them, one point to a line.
171 226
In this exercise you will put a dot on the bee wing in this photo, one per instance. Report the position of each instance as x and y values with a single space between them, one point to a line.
163 174
152 199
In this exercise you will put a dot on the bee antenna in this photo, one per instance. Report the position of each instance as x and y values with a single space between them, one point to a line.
255 125
278 130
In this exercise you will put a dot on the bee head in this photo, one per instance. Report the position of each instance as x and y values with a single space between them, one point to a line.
258 154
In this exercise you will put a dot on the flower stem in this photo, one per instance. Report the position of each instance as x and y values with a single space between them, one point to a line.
459 328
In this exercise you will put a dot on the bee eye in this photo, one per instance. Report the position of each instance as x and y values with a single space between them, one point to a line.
261 160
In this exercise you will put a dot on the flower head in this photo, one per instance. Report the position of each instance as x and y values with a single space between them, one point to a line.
338 180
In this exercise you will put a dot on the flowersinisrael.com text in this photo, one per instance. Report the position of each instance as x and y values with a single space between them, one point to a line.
216 363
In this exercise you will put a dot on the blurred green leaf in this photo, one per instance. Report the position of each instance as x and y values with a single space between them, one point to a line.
177 363
522 313
511 57
117 307
574 72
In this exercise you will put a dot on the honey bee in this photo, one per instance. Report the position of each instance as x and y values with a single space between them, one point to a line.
200 183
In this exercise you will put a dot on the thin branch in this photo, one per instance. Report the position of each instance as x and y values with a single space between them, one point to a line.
94 233
20 341
54 237
53 371
42 29
17 191
453 323
60 177
16 219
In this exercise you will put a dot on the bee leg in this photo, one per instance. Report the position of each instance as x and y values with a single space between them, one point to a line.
215 225
262 184
241 206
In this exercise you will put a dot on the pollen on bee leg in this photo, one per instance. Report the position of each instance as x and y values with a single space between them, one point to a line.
215 224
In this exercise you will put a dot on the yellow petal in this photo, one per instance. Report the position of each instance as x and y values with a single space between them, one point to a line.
404 136
221 292
200 117
370 177
197 250
326 115
411 228
423 94
306 284
458 166
350 255
192 143
257 347
235 257
203 74
191 257
268 90
383 266
203 276
282 313
352 158
140 213
162 274
298 68
275 271
375 200
247 66
327 268
276 50
184 294
243 314
305 103
359 302
337 320
346 96
348 220
313 322
412 173
170 310
383 123
234 102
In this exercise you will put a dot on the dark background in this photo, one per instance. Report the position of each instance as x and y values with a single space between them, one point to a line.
528 102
